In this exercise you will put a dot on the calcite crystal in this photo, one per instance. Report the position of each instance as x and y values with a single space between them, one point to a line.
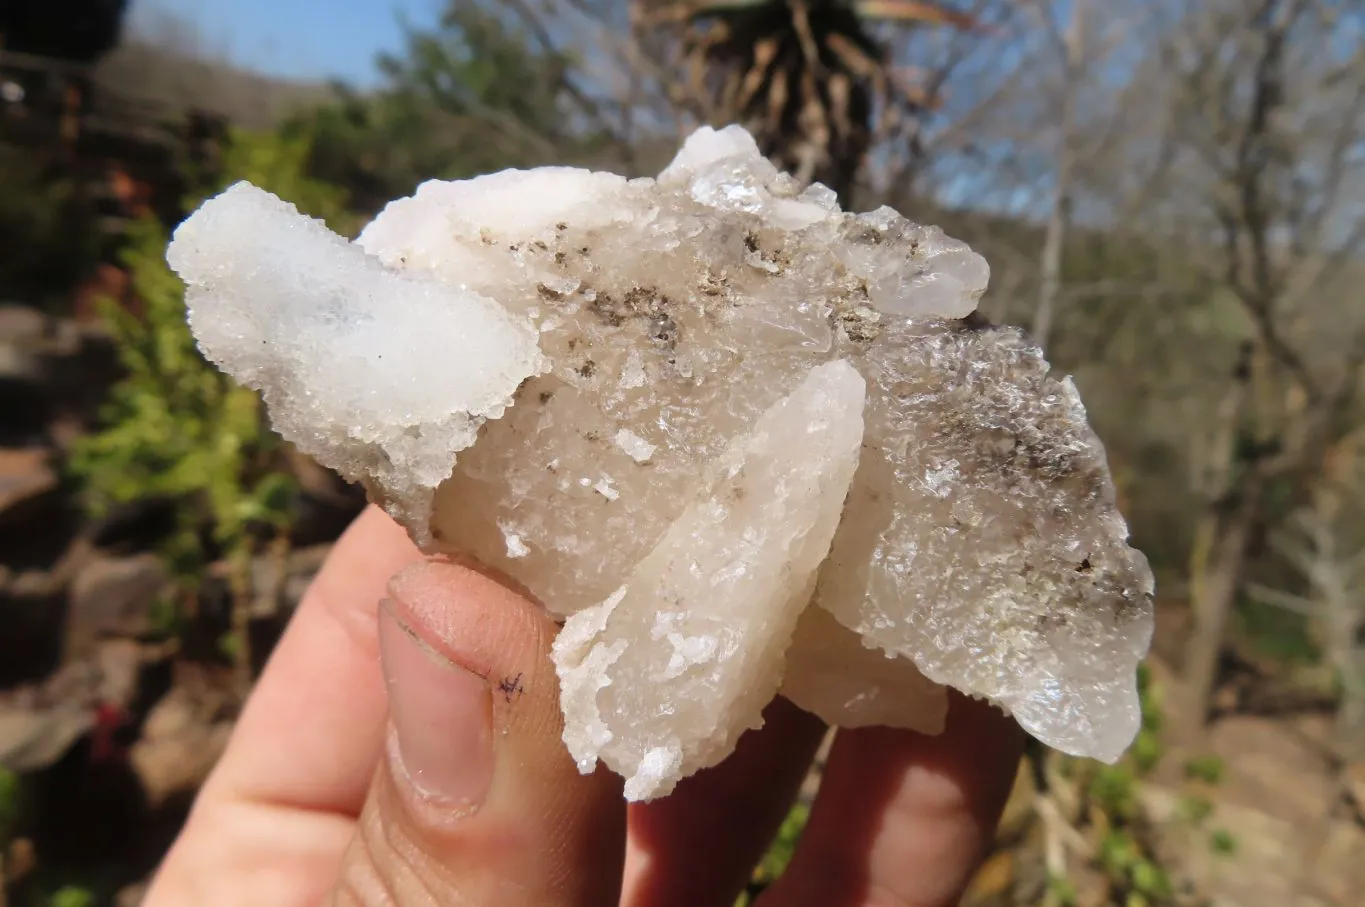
742 442
755 534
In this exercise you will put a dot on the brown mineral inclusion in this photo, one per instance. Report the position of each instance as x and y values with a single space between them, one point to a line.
744 443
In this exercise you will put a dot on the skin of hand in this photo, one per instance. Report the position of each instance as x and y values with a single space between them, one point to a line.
402 747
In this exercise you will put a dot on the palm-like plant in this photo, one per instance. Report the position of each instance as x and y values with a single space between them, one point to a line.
806 77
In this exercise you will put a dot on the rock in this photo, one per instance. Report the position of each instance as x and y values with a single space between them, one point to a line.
120 663
1353 779
28 486
23 334
22 325
115 597
131 895
39 722
20 365
54 373
1270 770
1273 862
304 564
268 576
325 504
33 738
135 525
182 738
24 375
38 520
1280 802
32 621
34 584
1337 870
278 583
84 363
17 862
107 676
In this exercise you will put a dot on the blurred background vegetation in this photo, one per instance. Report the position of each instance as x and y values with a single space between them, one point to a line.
1172 197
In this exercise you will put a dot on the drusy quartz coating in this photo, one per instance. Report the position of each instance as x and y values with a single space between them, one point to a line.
742 442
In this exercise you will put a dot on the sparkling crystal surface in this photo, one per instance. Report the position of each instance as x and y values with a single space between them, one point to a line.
554 370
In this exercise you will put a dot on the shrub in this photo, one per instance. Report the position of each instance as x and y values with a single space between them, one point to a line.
174 426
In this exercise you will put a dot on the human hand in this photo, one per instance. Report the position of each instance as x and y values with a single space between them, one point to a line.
409 753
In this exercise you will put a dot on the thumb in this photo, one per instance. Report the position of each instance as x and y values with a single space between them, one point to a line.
476 800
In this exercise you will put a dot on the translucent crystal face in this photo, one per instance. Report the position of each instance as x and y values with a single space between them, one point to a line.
753 535
740 440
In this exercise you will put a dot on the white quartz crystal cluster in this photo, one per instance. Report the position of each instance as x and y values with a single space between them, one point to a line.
744 443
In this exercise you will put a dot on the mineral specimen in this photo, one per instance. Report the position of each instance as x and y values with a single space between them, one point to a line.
755 535
741 441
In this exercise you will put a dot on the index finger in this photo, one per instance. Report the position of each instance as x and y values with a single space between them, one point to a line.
312 731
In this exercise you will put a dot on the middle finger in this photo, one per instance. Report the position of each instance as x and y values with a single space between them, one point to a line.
729 813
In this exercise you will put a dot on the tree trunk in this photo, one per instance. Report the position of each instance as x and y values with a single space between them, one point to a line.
1345 625
1350 724
1050 276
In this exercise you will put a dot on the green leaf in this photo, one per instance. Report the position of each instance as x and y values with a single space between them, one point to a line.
71 896
1209 769
1118 854
1195 809
269 501
1151 880
1223 842
9 801
1114 789
1147 751
779 854
230 646
1062 890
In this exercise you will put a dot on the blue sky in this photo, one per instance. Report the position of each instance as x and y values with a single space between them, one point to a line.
302 39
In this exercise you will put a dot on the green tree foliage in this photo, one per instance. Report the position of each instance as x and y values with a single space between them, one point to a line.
473 94
279 162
